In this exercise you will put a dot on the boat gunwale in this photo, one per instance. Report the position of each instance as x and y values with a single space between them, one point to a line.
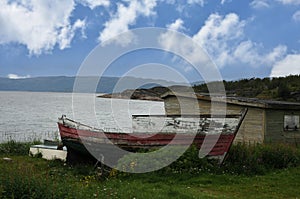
97 130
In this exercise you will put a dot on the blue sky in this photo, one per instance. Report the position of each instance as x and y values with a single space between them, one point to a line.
244 38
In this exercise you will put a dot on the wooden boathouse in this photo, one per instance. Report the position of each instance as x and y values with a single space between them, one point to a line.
266 121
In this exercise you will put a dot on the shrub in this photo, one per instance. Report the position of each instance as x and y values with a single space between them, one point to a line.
260 158
189 162
243 159
14 148
280 156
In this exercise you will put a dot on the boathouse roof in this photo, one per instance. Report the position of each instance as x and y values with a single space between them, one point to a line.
242 101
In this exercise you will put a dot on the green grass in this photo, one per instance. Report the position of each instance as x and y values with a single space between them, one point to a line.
260 171
38 178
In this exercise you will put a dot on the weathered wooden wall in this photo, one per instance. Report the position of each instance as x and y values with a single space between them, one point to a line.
275 131
252 129
182 105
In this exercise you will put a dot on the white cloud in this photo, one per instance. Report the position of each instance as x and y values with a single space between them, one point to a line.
296 16
39 25
94 3
173 42
126 16
67 33
177 25
224 39
181 4
290 65
170 1
14 76
189 51
217 34
200 2
247 52
259 4
289 2
277 54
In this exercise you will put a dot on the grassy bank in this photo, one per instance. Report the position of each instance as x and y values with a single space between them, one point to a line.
16 148
27 177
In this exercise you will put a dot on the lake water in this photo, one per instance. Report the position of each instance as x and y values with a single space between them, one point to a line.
33 115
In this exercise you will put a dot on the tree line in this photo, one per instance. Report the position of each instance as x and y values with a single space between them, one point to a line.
277 88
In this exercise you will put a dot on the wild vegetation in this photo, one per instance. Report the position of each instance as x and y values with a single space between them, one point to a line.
242 159
261 171
278 88
16 148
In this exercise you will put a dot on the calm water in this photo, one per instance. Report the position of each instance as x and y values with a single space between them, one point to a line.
33 115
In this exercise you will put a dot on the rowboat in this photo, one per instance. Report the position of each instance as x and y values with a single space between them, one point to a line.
213 133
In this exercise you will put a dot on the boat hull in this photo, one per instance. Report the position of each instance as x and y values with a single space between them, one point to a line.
81 142
85 141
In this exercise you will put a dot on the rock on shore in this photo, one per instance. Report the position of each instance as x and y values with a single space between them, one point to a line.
152 94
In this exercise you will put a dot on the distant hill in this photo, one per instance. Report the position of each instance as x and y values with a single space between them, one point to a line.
277 88
65 84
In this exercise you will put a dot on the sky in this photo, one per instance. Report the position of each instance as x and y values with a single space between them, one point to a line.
243 38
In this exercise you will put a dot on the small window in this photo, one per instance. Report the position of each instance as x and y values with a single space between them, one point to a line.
291 122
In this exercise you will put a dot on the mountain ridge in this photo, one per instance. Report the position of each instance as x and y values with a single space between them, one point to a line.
66 83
